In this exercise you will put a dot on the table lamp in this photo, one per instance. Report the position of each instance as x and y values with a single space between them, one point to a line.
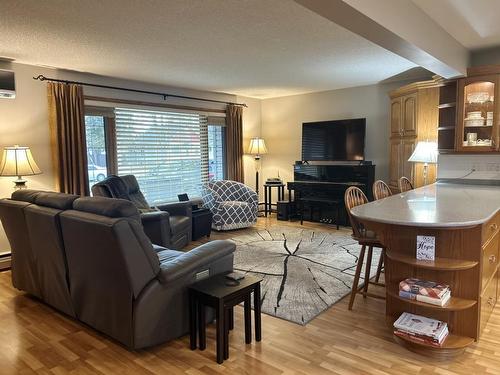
18 161
425 152
257 148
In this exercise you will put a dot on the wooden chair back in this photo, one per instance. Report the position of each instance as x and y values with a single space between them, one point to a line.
404 184
381 190
353 197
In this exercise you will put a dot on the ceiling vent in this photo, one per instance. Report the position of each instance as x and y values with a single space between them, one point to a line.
7 84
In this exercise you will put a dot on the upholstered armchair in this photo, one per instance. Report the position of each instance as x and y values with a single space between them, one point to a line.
167 225
233 204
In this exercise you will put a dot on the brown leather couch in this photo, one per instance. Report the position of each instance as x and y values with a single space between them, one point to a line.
166 225
90 259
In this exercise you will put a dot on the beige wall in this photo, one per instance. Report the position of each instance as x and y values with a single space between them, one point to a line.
282 120
252 120
24 120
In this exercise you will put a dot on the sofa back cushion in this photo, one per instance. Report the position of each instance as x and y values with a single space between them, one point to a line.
110 261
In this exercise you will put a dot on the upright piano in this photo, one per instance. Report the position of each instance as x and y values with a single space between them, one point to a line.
330 181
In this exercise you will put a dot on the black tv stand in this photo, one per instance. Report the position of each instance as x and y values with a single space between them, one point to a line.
330 181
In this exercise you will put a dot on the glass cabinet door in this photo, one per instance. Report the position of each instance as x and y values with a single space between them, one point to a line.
479 116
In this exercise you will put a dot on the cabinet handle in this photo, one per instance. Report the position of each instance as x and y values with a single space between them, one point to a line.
494 226
492 258
490 301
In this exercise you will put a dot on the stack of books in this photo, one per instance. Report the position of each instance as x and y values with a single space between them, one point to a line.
425 291
421 329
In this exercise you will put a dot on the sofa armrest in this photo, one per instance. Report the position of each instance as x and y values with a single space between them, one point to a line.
177 208
195 259
156 225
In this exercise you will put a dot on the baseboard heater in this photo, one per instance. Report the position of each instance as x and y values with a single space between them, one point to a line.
5 261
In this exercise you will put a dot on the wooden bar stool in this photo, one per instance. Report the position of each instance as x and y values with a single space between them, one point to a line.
404 184
354 197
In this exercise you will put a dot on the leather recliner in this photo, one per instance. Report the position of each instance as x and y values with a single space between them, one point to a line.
95 263
166 225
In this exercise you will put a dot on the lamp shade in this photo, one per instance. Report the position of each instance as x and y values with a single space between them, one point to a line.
18 161
257 147
425 152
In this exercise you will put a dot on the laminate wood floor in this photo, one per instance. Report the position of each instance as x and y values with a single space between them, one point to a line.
37 339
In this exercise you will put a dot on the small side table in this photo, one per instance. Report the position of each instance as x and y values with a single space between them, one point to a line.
201 223
216 293
268 188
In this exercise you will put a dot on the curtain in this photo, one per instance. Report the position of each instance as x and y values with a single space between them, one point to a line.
67 129
234 142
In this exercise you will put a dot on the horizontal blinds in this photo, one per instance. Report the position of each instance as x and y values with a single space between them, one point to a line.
163 150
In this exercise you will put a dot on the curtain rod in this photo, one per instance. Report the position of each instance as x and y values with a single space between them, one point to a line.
41 77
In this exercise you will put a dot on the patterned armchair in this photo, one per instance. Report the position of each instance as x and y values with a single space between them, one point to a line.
233 204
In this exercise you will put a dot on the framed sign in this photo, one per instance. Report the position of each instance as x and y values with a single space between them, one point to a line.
426 247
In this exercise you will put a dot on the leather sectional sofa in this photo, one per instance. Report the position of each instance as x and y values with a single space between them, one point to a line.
90 259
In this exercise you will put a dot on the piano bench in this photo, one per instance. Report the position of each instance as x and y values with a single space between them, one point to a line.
313 202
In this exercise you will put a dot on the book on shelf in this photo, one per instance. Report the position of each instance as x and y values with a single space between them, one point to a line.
421 328
426 299
420 339
424 288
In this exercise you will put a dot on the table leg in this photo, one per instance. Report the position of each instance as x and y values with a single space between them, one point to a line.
265 201
220 331
231 318
248 320
226 332
202 326
193 317
256 312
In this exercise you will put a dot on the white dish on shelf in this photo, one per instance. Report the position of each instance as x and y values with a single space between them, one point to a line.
474 114
479 142
489 115
474 121
478 97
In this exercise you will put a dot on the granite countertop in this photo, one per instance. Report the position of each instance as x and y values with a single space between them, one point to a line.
441 204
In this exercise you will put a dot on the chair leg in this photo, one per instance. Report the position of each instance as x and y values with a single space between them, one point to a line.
355 283
380 265
367 270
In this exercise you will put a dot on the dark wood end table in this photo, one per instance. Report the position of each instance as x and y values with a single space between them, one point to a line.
216 292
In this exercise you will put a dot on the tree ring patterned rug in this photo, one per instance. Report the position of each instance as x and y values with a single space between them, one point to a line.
303 271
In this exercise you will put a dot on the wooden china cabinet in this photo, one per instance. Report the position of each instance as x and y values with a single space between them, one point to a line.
413 118
478 113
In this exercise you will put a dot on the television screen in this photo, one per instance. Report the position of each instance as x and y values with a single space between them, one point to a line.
339 140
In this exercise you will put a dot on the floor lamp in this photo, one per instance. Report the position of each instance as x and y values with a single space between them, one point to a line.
425 152
257 148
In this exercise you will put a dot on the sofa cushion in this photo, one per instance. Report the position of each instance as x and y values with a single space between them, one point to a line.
109 207
179 223
168 255
25 195
55 200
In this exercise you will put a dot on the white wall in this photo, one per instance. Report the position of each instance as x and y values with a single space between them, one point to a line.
282 120
24 120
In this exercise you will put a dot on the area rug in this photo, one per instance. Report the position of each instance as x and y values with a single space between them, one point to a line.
304 271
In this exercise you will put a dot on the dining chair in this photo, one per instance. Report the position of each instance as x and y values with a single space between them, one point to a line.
381 190
353 197
404 184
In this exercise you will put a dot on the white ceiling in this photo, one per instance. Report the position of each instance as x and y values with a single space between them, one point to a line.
473 23
257 48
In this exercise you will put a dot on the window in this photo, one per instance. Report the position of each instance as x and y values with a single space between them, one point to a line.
96 148
216 152
168 152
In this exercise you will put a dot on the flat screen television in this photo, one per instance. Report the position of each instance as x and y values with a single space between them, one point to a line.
338 140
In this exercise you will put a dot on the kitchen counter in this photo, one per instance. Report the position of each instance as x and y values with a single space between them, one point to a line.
438 205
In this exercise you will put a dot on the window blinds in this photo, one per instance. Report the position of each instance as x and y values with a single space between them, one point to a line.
166 151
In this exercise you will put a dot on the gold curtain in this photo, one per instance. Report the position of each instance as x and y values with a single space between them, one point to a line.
234 142
67 129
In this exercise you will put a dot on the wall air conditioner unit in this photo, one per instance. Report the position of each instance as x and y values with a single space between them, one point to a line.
7 84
